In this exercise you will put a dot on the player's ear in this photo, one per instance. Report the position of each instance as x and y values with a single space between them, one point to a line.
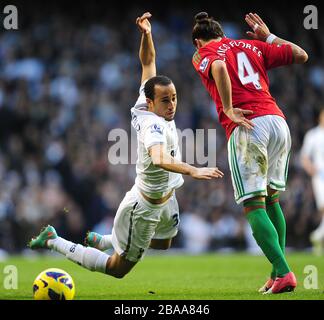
149 103
198 43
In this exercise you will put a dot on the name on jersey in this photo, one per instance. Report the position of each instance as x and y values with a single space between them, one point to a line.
135 122
224 47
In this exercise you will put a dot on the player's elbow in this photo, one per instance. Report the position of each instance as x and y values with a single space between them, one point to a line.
157 155
301 57
148 60
157 159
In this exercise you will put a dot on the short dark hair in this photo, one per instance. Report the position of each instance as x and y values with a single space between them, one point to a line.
206 28
149 88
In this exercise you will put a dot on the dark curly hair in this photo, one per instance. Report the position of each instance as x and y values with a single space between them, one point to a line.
206 28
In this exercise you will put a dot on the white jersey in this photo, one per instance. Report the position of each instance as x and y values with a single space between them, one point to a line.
313 147
151 130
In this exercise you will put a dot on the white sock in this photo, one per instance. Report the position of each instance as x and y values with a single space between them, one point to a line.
60 245
321 226
90 258
106 242
319 231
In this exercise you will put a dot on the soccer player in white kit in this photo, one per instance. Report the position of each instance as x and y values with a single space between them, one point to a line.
312 158
148 216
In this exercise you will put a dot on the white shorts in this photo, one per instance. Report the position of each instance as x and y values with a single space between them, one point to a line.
137 222
318 190
259 157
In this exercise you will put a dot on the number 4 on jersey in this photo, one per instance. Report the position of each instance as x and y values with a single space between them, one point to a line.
246 72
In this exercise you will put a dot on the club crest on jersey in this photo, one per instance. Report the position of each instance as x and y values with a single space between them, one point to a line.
204 64
156 128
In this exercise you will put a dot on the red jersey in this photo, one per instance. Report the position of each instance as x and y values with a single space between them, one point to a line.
247 62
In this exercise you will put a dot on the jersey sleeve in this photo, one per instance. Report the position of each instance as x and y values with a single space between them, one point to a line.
154 133
202 61
276 55
307 147
141 100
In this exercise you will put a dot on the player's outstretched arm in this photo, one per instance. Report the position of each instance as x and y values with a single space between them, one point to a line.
261 32
147 50
161 159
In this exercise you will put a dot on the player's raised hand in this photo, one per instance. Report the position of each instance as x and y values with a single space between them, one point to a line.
206 173
260 29
143 23
237 115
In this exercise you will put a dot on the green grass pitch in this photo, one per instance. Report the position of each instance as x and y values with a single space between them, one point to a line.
181 277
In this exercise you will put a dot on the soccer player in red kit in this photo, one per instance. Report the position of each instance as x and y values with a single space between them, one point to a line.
234 73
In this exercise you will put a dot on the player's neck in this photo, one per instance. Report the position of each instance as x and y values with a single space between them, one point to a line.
205 43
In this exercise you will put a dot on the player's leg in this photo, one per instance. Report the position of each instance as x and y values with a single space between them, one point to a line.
160 244
90 258
317 236
168 226
278 154
133 231
118 266
104 242
134 227
277 218
121 222
248 160
266 237
278 161
98 241
265 234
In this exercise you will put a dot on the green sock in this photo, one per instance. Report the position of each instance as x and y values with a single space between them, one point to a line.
266 237
278 220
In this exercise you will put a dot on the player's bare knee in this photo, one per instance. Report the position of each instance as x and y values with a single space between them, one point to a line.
163 247
272 192
119 275
160 244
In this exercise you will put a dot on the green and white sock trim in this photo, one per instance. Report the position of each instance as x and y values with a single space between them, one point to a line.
259 193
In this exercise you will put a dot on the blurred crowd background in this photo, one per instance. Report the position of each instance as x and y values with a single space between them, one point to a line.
70 75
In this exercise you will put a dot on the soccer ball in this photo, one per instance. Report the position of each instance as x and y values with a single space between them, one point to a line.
53 284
